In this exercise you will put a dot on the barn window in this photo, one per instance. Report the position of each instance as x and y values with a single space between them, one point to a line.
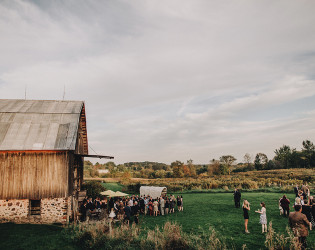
34 207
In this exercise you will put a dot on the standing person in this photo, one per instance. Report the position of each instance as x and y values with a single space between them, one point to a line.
178 203
263 217
181 203
280 207
146 205
111 204
121 211
246 208
296 190
237 198
305 190
156 207
167 205
299 224
127 211
162 204
136 211
150 205
130 202
142 205
83 210
173 204
285 205
97 204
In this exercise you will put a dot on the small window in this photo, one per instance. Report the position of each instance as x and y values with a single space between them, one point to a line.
34 207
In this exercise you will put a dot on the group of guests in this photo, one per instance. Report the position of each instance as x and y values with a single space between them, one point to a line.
300 220
302 197
262 218
128 208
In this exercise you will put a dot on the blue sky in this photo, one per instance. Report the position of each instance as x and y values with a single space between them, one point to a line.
169 80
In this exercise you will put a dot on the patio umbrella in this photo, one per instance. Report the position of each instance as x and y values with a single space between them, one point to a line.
108 193
118 193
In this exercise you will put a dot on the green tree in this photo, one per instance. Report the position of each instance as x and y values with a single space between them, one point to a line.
308 153
283 155
261 161
192 168
177 167
214 167
227 160
247 159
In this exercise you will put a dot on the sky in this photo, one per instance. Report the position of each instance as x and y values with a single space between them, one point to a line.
168 80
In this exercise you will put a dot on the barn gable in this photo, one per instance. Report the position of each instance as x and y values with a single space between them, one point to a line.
43 125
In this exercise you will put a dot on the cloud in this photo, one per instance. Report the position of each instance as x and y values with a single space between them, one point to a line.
168 80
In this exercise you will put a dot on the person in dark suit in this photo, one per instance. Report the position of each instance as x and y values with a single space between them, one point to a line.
136 211
299 224
127 211
237 198
82 210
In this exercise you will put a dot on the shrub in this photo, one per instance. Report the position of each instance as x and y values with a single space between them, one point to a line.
93 188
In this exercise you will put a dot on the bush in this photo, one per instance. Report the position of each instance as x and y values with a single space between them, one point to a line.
93 188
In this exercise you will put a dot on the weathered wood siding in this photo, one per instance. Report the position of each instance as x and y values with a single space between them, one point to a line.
34 174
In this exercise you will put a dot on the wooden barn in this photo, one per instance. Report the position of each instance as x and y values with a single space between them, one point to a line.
42 150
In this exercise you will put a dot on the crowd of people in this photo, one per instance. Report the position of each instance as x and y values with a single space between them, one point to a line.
127 208
300 220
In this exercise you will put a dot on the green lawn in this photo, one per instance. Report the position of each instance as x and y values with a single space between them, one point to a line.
26 236
114 186
201 210
217 210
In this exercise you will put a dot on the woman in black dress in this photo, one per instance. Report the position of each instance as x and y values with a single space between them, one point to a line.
178 203
246 208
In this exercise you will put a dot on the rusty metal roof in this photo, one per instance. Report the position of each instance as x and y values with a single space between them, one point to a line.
39 125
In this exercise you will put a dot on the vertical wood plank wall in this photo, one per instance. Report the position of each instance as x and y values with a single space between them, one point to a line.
34 175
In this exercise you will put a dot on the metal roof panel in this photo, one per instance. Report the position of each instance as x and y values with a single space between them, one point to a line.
39 125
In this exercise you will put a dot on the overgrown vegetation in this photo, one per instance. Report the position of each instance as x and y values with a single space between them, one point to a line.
171 236
276 241
273 180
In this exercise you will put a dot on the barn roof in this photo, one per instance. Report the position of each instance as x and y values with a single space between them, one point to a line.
40 125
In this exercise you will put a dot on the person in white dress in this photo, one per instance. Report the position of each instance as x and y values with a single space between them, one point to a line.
263 217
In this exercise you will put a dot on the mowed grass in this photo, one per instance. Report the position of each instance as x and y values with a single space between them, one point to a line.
216 210
201 211
27 236
114 186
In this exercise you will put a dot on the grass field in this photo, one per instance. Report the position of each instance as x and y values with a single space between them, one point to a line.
114 186
217 210
201 211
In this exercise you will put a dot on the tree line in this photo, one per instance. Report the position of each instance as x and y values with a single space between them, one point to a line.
285 157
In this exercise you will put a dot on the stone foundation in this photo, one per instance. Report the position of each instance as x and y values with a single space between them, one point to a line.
54 210
14 210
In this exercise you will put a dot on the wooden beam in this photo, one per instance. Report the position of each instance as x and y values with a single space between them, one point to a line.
97 156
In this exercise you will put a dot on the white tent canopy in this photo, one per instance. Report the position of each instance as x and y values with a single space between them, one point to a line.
152 191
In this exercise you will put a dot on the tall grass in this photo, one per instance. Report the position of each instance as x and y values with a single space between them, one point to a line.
275 241
170 236
100 235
